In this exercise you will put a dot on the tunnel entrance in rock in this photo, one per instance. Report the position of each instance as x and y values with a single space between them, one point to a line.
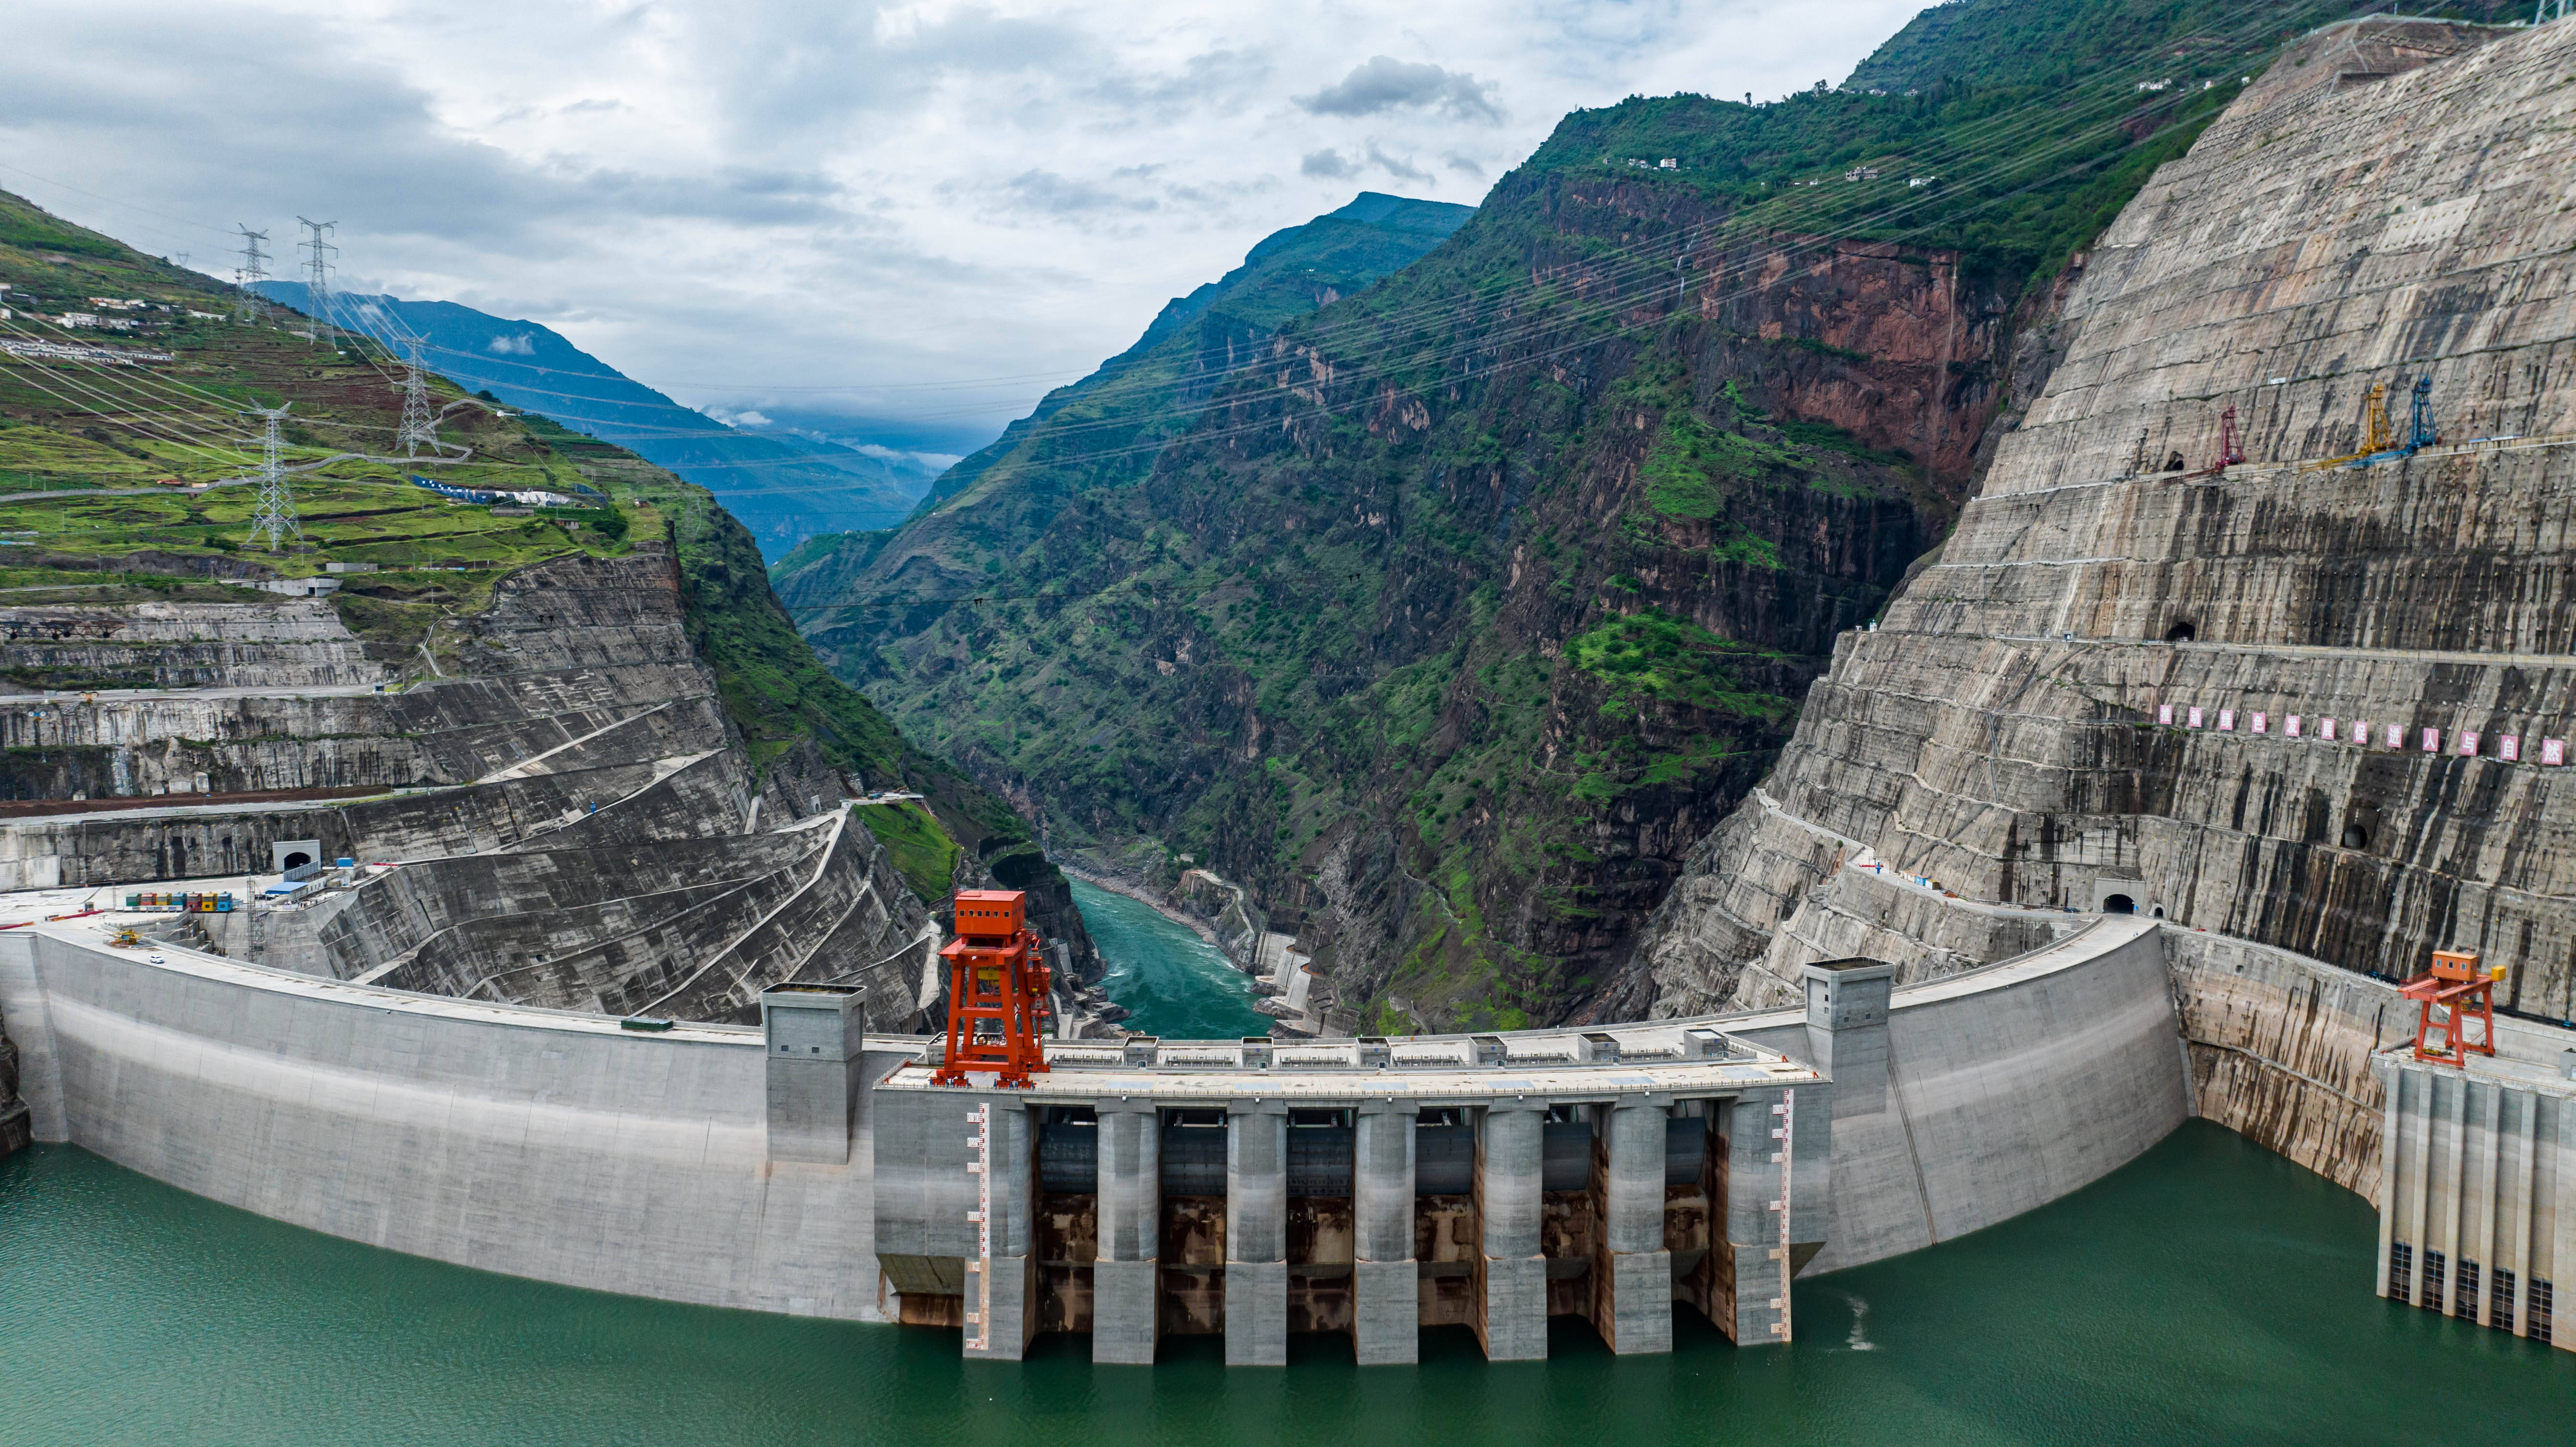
2360 822
2119 904
2181 632
297 860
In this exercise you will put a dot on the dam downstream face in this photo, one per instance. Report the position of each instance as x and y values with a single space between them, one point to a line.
2203 1293
1172 983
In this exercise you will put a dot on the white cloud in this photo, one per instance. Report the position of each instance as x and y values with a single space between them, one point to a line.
738 419
922 213
522 345
1387 84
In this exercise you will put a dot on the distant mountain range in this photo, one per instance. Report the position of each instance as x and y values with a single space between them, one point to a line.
783 485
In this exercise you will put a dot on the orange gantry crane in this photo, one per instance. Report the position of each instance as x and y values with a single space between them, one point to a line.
2455 1015
997 992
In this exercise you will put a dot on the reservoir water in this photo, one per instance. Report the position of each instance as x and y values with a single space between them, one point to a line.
2209 1293
1173 983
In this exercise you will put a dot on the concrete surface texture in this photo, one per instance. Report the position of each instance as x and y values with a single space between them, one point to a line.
545 1145
272 644
2281 1050
2370 213
1975 1098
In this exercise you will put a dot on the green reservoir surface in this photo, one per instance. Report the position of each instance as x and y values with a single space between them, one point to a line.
2209 1293
1173 983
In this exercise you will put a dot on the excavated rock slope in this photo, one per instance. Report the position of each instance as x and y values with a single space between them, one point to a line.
579 826
2390 202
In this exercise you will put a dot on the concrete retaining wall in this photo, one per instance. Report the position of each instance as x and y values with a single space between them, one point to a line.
2281 1048
544 1145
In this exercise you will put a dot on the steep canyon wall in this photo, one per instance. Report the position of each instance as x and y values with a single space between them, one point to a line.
2145 684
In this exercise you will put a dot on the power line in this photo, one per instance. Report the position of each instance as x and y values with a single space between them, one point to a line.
418 428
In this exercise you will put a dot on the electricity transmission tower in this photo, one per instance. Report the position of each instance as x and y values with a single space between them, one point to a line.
419 425
276 509
2553 10
252 271
318 290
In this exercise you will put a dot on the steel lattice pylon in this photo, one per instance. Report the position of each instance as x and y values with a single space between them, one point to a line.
318 290
275 514
419 427
251 306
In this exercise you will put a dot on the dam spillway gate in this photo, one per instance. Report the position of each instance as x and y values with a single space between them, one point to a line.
1249 1190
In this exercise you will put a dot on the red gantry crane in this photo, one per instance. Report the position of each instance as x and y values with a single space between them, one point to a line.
997 992
2456 1014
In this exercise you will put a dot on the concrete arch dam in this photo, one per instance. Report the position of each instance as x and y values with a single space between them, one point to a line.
1144 1188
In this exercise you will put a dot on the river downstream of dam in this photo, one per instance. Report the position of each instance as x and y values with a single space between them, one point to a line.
1171 982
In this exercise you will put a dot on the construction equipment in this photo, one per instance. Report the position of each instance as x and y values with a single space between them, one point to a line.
2376 435
2379 439
2231 443
2420 432
126 939
997 992
2455 1017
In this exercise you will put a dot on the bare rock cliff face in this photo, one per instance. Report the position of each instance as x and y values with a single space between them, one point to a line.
2387 204
1917 355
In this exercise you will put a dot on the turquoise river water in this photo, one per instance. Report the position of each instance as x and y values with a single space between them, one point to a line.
2208 1293
1173 983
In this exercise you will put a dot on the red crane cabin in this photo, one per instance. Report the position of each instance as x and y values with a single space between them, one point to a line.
997 992
2456 1014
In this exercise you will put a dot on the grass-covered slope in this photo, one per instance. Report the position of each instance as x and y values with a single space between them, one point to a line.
125 461
783 488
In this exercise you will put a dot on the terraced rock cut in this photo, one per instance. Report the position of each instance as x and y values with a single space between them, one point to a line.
2374 211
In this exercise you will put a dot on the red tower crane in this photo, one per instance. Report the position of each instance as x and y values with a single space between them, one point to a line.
2231 443
2456 1007
997 992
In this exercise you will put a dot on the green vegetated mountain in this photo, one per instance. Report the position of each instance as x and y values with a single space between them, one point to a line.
95 418
1450 616
1105 430
784 487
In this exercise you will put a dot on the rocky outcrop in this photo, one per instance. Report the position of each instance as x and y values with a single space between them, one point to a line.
2117 682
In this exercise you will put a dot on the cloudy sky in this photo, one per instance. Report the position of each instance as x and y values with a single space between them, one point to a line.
919 216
